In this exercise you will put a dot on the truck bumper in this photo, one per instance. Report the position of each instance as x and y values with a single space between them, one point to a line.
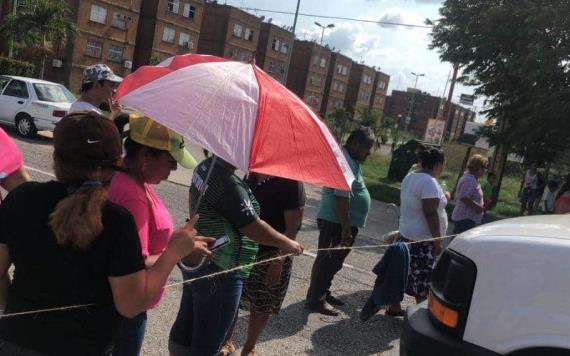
420 337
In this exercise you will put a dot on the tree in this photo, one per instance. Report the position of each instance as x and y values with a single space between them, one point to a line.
371 119
516 54
38 25
339 122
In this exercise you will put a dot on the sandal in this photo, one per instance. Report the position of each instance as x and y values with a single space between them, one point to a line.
227 350
395 314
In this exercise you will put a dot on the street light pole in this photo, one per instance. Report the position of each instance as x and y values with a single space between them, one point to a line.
11 43
291 44
323 28
409 117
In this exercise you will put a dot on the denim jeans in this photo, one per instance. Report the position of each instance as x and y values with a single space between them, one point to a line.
130 336
207 310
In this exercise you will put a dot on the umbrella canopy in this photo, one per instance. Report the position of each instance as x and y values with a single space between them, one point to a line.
241 114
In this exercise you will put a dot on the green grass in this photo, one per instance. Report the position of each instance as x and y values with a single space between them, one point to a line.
375 171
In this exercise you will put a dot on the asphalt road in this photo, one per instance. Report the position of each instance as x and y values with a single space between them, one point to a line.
294 331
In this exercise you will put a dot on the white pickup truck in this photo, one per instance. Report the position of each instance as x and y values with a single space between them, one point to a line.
32 105
499 289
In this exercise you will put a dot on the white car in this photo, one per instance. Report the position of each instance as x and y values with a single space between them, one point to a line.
499 289
32 105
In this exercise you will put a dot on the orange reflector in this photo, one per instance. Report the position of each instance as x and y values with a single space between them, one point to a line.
443 314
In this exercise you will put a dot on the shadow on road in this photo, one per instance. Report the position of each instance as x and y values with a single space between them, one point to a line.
42 138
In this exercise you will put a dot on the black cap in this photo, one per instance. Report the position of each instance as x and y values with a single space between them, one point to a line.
87 139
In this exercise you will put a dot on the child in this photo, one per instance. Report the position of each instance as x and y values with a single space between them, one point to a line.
487 188
550 199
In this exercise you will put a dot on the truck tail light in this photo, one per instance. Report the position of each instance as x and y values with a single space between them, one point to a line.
59 113
451 289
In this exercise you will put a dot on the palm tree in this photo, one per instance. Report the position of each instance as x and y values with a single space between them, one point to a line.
38 25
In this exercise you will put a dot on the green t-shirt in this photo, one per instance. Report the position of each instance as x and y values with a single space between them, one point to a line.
227 205
359 198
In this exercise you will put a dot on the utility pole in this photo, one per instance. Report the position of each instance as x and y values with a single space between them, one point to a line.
11 43
291 43
447 107
409 117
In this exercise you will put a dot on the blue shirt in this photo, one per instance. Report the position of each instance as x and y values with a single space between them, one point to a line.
359 198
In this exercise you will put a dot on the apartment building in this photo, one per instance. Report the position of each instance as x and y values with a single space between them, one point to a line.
378 100
229 32
308 72
360 88
273 49
167 28
336 84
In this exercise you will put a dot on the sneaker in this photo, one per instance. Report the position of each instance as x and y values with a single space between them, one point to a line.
321 308
334 300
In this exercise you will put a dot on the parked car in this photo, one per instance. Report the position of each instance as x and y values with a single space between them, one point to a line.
499 289
32 104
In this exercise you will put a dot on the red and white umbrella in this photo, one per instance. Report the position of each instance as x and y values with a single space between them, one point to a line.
241 114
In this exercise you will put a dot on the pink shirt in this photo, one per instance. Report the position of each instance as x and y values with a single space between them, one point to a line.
154 222
10 156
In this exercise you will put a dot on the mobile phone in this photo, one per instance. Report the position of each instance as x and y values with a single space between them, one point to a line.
219 243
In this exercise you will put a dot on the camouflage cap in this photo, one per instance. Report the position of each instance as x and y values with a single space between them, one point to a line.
98 72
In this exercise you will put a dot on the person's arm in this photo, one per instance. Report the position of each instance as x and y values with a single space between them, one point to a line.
134 292
14 179
140 211
342 207
262 233
470 203
293 220
4 276
429 207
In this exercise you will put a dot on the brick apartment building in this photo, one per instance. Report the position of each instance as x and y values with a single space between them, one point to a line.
360 88
167 28
308 72
336 84
425 107
378 100
272 50
106 34
229 32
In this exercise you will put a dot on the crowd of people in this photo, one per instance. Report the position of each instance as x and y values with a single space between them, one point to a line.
99 238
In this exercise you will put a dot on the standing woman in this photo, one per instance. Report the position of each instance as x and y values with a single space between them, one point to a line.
282 202
470 207
70 246
422 217
152 152
228 210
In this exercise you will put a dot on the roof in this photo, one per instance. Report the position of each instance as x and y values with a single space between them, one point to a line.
539 226
27 79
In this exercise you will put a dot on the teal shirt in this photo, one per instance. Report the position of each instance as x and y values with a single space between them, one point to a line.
359 198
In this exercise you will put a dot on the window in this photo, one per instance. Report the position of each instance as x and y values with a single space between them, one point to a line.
189 11
245 57
53 93
275 44
173 6
116 53
344 70
98 14
93 49
3 82
323 62
339 69
17 88
168 35
341 87
185 40
272 67
335 86
233 53
119 20
284 47
238 30
248 34
316 60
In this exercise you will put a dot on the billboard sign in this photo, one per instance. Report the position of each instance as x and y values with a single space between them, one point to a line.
466 99
434 131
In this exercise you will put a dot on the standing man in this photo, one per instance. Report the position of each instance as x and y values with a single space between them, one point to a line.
98 86
340 216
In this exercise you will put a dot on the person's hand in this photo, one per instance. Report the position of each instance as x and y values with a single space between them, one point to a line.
447 195
115 107
185 240
274 271
346 237
292 247
480 208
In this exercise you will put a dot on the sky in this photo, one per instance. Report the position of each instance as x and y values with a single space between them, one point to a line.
396 50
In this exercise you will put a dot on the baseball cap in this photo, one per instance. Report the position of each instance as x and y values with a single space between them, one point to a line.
87 139
149 133
98 72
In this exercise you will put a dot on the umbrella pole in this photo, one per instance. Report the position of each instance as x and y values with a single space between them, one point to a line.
202 189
